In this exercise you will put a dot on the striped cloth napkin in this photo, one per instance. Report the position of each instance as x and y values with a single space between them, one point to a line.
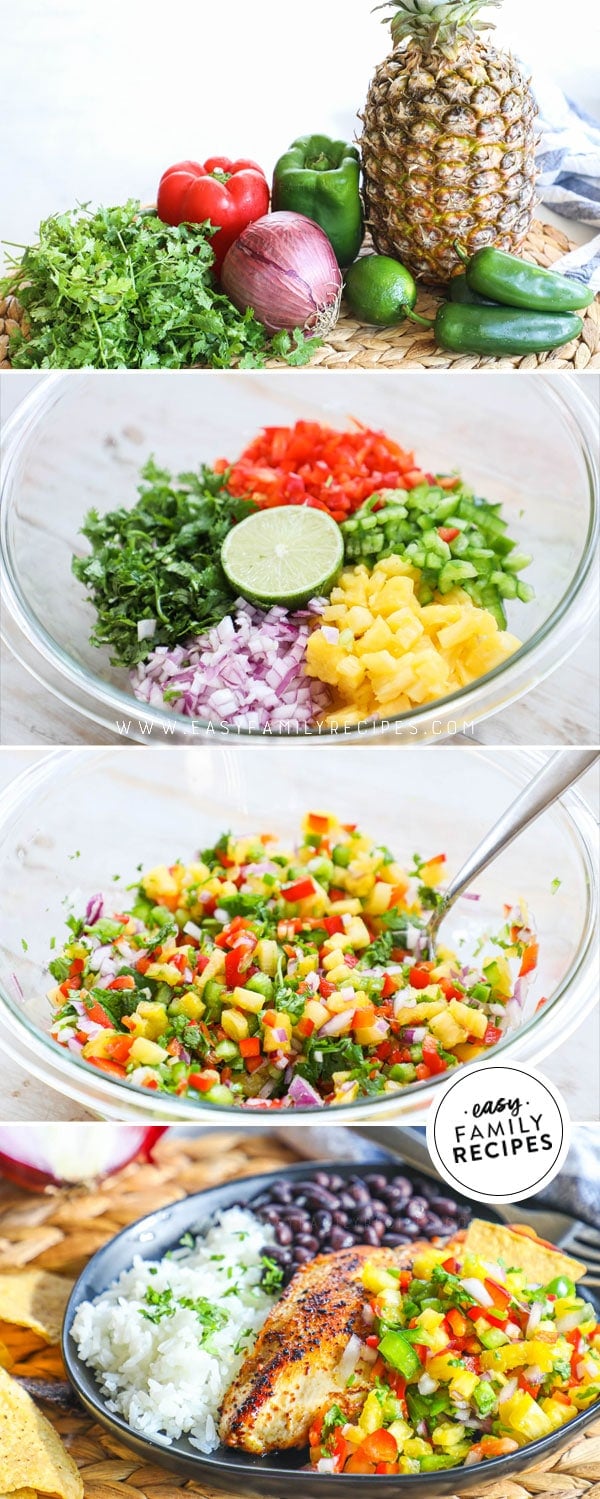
569 181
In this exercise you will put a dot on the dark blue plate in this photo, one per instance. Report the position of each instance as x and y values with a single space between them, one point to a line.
281 1473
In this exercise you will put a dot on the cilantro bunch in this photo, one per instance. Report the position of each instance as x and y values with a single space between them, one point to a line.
160 560
117 288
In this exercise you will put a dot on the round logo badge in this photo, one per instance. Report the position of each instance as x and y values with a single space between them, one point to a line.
498 1133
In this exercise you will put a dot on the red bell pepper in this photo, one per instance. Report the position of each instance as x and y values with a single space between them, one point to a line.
432 1058
249 1046
125 982
98 1015
227 194
492 1035
420 976
529 959
448 533
299 890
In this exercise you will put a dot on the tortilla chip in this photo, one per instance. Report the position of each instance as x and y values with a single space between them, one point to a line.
30 1450
6 1359
35 1299
521 1248
20 1494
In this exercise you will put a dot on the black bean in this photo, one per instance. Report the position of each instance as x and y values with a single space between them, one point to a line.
366 1214
379 1206
339 1218
320 1198
341 1240
417 1209
336 1183
321 1178
433 1225
371 1236
297 1219
448 1225
393 1241
282 1192
379 1227
376 1183
283 1234
303 1256
412 1230
401 1184
323 1223
269 1215
307 1241
444 1206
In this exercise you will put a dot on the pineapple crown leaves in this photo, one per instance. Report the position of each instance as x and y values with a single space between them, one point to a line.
434 22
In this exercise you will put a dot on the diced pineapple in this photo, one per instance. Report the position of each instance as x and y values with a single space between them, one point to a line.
557 1412
448 1435
99 1046
357 933
214 968
425 1262
248 999
430 1319
234 1024
159 884
523 1415
368 1036
474 1022
400 1430
379 899
463 1383
336 942
376 1278
370 1416
154 1017
164 973
333 960
316 1012
266 956
147 1053
446 1030
417 1447
358 619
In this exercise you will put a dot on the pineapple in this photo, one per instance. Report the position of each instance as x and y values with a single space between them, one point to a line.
448 142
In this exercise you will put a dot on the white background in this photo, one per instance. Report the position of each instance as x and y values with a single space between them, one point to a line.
99 96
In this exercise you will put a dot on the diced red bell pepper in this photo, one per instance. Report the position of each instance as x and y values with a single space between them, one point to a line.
499 1294
448 533
389 987
452 1267
420 976
124 982
423 1072
119 1049
252 1063
450 990
104 1065
326 989
458 1323
298 890
204 1081
333 924
250 1046
98 1015
432 1058
492 1034
305 1026
318 823
380 1447
529 959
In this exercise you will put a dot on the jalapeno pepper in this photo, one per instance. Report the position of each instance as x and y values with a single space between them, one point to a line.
503 330
320 178
518 283
460 291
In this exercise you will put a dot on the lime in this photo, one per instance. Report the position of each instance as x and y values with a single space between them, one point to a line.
285 556
380 290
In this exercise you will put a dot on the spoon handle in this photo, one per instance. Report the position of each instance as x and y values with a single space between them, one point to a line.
561 771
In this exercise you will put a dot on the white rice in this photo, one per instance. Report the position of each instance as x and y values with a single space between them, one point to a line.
168 1377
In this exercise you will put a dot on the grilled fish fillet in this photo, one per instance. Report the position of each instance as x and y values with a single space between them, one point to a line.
293 1369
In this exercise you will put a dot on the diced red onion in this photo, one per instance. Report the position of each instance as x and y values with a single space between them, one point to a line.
339 1024
146 628
264 651
477 1290
326 1465
403 1001
191 930
312 982
280 1035
472 1458
19 991
94 909
303 1094
267 1090
535 1316
349 1359
427 1385
570 1321
284 268
368 1355
470 895
414 1035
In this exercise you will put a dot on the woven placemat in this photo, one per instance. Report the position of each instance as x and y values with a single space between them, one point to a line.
359 346
60 1230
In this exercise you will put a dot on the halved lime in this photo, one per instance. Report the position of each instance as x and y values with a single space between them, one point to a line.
285 556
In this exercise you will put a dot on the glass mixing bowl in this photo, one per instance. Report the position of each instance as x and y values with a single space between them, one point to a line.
77 818
79 440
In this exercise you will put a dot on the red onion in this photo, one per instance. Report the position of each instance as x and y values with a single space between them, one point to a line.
284 268
42 1155
339 1024
303 1094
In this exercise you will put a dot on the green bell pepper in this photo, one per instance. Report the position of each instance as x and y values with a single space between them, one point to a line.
399 1353
518 283
503 330
320 178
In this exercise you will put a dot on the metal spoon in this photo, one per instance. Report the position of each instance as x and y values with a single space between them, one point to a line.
562 770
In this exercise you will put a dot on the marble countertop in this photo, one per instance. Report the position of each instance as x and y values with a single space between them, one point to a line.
573 1068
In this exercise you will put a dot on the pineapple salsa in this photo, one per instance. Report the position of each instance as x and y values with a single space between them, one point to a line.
323 580
265 978
479 1348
